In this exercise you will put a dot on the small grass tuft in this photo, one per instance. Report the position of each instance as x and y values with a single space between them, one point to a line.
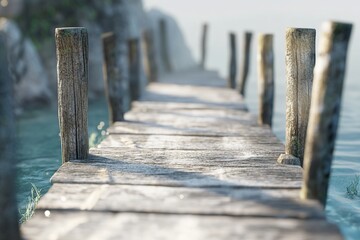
352 191
31 205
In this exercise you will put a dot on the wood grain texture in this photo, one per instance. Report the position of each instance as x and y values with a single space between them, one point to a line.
120 172
300 62
135 68
116 80
100 225
152 68
242 202
72 68
189 163
9 225
232 61
329 77
266 85
245 64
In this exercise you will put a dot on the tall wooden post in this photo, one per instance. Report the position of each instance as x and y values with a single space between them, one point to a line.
116 79
165 51
204 45
122 22
245 63
233 62
266 79
152 68
300 62
135 68
72 69
9 221
329 76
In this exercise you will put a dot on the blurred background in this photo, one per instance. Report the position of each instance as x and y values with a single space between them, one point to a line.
33 65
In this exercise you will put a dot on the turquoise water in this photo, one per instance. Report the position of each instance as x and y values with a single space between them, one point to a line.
39 153
38 146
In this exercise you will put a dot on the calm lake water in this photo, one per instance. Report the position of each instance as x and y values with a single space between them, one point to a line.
39 152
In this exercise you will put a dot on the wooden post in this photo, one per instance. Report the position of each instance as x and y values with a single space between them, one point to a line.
233 62
266 79
9 221
72 68
329 76
135 68
116 79
245 63
204 45
300 62
152 69
165 51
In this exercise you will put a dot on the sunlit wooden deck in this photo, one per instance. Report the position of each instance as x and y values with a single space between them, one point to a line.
189 162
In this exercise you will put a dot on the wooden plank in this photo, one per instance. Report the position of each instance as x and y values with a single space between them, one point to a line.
249 145
182 157
178 200
117 172
97 225
146 105
190 129
165 92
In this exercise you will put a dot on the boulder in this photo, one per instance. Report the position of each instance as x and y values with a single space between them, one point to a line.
31 80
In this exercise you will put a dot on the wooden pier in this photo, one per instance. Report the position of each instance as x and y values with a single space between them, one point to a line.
189 162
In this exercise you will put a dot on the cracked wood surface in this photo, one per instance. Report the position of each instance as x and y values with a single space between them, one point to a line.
189 162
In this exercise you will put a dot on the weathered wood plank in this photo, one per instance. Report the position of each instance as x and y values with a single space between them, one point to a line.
92 225
117 172
149 105
183 158
73 73
177 200
214 130
193 143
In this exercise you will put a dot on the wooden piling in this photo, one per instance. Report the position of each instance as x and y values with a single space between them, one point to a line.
329 76
9 221
135 68
116 79
152 68
300 62
233 61
245 63
204 45
266 79
72 70
165 51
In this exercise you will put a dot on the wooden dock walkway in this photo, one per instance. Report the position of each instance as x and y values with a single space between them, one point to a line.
189 163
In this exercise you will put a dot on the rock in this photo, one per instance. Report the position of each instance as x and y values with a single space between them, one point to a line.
32 85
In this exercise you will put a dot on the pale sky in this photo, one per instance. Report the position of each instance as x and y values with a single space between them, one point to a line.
256 15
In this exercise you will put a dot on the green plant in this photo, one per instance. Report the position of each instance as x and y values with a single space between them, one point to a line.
31 205
352 190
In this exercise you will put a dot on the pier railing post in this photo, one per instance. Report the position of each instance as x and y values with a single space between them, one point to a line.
165 51
9 222
232 61
72 69
152 70
245 63
135 68
204 45
325 107
300 62
116 79
266 79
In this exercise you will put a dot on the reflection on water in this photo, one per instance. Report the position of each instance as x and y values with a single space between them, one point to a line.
38 146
